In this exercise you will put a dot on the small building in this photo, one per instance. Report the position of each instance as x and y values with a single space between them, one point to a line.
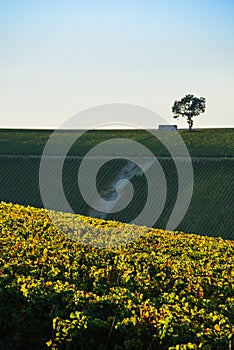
168 127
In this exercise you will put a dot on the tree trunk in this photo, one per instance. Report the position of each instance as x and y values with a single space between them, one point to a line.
190 123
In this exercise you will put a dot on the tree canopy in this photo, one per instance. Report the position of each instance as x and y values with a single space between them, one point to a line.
189 107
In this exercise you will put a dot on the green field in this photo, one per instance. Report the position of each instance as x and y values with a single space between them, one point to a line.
200 142
163 290
212 150
211 208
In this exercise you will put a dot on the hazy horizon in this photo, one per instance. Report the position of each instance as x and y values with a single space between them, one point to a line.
61 57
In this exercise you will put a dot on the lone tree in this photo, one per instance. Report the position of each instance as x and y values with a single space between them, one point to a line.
189 107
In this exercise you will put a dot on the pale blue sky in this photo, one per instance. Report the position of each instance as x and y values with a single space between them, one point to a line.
61 56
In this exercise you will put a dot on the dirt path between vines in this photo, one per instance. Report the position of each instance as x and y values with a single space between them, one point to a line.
128 171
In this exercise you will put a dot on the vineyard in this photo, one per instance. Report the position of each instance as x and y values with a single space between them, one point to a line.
163 290
212 201
211 208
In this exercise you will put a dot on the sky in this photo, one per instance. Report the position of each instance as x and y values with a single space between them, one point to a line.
59 57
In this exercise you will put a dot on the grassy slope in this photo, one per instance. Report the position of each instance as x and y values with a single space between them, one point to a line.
164 289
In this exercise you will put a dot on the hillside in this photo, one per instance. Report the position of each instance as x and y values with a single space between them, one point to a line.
164 290
200 142
211 208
